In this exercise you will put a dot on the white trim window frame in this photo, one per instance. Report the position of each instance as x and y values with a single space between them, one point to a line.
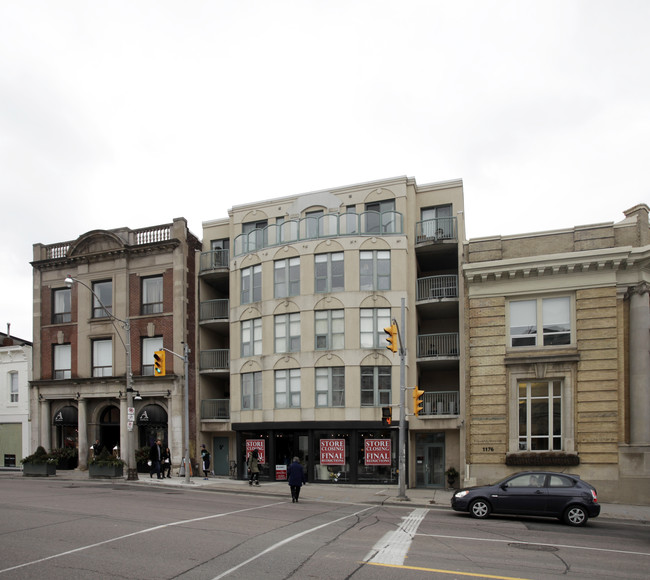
329 272
287 389
251 284
374 270
541 322
540 415
372 322
329 329
251 391
330 386
287 332
286 277
13 387
251 337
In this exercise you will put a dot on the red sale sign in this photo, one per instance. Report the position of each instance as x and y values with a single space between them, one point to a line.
258 444
332 451
377 452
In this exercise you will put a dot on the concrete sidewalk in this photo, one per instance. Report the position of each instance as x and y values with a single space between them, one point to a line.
345 493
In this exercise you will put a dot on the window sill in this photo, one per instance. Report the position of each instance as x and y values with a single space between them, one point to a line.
543 458
521 355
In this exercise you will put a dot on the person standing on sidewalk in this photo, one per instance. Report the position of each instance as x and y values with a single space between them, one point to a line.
253 468
205 459
166 466
155 455
296 477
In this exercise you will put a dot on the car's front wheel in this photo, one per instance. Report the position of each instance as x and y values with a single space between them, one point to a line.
575 515
479 509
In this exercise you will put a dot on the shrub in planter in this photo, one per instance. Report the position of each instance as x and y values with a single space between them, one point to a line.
452 475
142 459
543 459
67 457
39 463
106 465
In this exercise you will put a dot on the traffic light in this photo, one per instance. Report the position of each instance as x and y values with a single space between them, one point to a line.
159 363
392 339
386 416
417 401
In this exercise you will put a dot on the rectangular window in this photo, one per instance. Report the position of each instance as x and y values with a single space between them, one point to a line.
251 337
540 415
287 389
329 272
372 323
287 332
13 387
540 322
251 284
313 223
375 386
62 361
351 220
103 358
380 217
102 299
330 387
256 235
220 252
149 346
286 277
437 223
61 307
330 329
152 295
251 391
374 270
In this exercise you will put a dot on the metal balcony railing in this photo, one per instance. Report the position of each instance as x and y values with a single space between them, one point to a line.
441 403
434 287
214 360
214 310
215 409
436 230
438 345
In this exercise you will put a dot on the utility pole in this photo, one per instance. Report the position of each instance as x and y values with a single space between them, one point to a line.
402 410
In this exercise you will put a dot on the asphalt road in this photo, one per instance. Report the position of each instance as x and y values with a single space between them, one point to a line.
93 529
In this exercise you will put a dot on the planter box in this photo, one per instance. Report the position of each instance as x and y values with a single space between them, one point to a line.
106 471
39 469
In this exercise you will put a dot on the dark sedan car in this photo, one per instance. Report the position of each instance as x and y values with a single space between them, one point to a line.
532 493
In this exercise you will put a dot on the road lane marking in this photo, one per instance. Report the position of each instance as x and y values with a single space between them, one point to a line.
393 546
454 572
286 541
145 531
536 544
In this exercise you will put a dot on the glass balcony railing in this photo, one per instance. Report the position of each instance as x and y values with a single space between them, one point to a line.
369 223
214 260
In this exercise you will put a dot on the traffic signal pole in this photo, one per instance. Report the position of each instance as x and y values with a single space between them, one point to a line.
402 410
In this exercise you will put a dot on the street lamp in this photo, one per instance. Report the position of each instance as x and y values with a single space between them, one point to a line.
131 467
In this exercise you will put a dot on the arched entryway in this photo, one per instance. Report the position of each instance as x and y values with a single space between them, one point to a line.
109 427
152 425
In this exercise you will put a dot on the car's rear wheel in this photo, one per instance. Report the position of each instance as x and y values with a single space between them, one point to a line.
479 509
575 515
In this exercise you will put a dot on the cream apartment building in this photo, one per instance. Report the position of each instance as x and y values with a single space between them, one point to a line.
294 294
558 355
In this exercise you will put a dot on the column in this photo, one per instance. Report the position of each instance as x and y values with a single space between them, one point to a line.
46 425
639 364
82 426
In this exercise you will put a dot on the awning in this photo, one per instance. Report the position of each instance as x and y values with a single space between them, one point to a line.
152 415
66 416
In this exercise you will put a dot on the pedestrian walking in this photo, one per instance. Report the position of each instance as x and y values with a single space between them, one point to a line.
253 468
296 477
166 463
205 459
155 456
97 448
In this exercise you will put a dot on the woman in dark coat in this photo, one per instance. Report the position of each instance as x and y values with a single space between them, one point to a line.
296 477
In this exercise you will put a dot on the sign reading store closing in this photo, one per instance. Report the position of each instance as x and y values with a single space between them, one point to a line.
332 451
377 452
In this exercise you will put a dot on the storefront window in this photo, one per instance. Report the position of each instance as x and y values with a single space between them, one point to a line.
377 458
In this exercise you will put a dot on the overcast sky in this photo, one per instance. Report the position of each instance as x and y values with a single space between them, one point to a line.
131 113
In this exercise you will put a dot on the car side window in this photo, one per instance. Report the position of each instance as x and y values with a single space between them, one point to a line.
560 481
519 481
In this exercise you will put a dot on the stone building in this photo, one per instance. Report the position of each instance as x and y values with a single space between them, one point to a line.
144 277
294 296
15 374
558 355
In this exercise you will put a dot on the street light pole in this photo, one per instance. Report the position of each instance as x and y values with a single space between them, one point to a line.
131 466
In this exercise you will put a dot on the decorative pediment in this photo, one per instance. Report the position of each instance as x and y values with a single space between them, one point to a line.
95 242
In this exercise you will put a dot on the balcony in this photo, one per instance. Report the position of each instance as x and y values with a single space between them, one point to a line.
437 296
215 409
214 361
214 313
368 223
437 230
440 403
439 351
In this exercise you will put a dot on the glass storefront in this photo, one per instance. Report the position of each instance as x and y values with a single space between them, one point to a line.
327 455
